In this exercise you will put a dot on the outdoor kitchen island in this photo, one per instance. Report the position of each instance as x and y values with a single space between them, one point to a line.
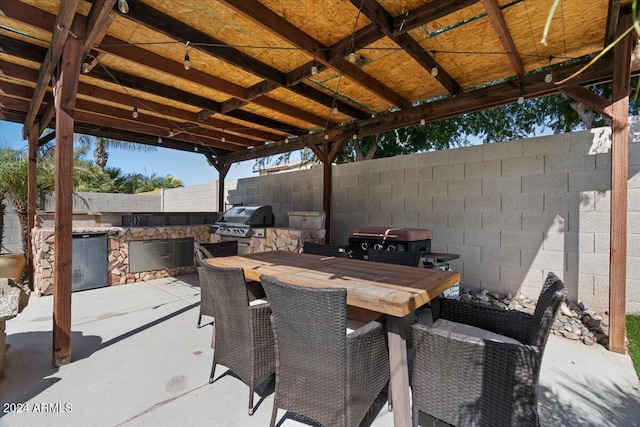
115 248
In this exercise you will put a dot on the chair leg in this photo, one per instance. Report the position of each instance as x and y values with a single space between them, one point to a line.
274 413
199 320
251 399
389 401
213 371
416 417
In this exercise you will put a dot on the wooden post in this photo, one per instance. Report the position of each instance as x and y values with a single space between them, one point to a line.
619 176
326 192
65 98
31 196
223 169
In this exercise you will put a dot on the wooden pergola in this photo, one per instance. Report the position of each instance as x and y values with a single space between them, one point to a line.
242 79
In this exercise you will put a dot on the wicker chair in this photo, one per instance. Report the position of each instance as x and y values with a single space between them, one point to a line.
210 250
321 249
243 334
394 257
480 366
323 372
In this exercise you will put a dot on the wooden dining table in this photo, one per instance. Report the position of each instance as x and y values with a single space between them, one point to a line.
389 289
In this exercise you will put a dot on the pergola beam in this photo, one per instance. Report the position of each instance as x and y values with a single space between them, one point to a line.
164 24
429 12
384 21
59 36
591 100
274 23
504 93
502 30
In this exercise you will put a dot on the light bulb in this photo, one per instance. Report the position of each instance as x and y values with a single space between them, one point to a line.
422 122
123 6
335 110
223 139
326 137
286 140
195 148
171 133
187 62
351 57
85 67
134 113
314 70
434 71
159 140
354 137
548 78
521 99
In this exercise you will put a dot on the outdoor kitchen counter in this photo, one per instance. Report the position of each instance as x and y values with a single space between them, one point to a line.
283 239
117 251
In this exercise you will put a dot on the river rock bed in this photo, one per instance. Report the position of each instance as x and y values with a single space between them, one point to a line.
574 321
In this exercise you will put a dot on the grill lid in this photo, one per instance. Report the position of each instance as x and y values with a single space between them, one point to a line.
254 216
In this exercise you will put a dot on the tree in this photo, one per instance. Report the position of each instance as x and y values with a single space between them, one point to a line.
102 145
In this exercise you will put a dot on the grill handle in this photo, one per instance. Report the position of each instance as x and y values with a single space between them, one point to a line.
383 236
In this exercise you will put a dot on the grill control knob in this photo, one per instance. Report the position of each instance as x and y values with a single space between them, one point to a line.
378 246
391 248
364 246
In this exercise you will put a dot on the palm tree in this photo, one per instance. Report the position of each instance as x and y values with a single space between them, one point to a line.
102 145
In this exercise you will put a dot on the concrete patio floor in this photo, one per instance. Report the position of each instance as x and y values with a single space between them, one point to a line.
138 360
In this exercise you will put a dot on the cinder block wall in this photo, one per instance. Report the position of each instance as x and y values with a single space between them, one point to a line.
111 202
11 241
287 192
195 198
513 211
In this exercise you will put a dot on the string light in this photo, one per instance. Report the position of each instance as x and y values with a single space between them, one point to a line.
434 69
223 139
326 137
351 57
549 77
187 60
335 110
85 67
423 122
521 99
355 136
286 140
195 148
134 113
159 140
123 6
314 67
171 133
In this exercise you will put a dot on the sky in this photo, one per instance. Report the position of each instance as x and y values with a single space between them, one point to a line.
191 168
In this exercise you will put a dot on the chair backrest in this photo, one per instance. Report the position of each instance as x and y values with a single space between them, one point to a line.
321 249
552 294
206 301
230 304
310 332
211 250
394 257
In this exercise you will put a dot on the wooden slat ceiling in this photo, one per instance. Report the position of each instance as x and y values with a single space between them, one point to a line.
252 88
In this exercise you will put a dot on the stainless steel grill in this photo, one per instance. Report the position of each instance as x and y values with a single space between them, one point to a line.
240 220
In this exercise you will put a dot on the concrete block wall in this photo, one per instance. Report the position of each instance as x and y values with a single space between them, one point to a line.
287 192
514 211
195 198
11 241
111 202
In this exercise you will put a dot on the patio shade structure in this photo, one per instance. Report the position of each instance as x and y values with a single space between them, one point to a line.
242 79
